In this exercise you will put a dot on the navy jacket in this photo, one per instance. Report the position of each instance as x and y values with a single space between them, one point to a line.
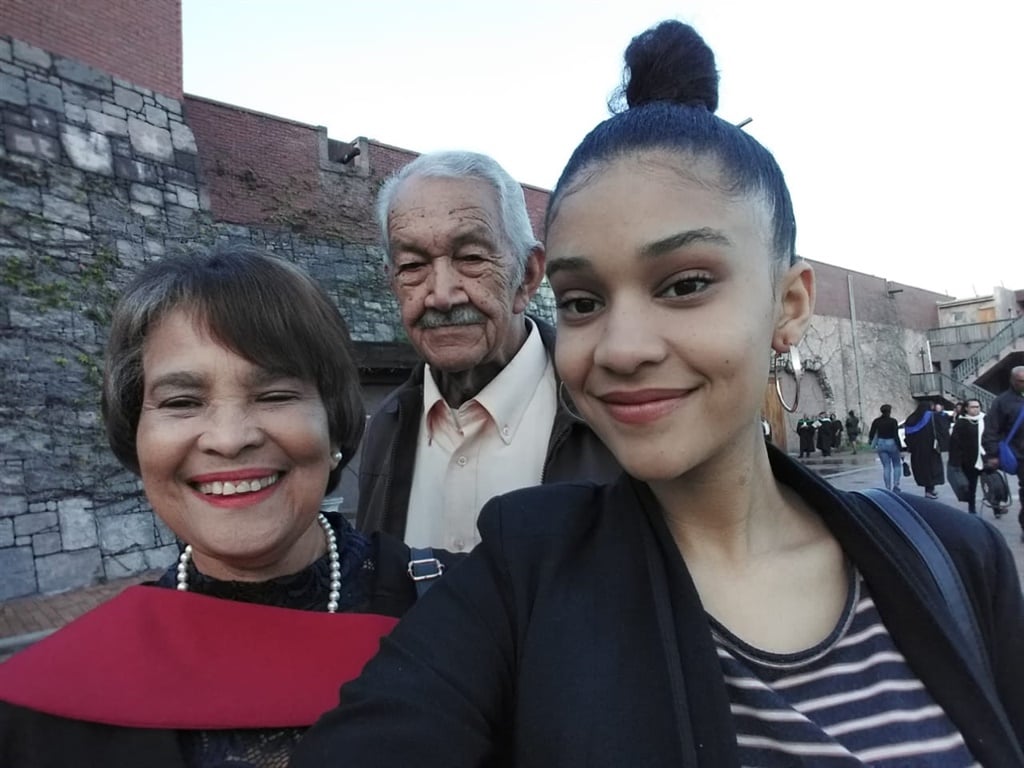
999 421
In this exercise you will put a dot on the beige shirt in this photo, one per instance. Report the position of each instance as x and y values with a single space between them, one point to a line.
492 444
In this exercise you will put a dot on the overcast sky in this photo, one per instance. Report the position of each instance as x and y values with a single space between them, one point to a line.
895 121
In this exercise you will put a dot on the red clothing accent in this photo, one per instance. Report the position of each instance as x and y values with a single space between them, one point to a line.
159 658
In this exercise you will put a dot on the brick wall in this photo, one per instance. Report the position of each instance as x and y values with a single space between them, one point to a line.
250 160
110 35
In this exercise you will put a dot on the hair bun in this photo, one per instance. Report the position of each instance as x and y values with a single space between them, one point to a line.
669 62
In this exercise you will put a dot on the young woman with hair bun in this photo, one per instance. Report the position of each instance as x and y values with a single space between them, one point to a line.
718 605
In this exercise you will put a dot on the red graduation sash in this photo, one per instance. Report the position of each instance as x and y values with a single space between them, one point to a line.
160 658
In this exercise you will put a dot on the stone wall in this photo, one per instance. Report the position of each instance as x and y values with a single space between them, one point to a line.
97 176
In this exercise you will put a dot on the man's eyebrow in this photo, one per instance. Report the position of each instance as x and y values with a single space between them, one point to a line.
684 239
471 234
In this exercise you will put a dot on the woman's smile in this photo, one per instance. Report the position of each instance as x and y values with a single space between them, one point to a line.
642 406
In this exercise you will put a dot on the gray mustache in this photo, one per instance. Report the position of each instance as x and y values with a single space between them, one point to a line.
464 314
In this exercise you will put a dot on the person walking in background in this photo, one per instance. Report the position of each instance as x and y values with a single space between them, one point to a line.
884 437
965 448
921 434
999 426
805 431
852 430
943 426
825 434
837 430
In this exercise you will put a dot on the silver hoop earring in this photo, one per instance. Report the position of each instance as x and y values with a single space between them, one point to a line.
797 366
566 402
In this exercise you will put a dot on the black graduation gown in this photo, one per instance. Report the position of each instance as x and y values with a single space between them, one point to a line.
925 459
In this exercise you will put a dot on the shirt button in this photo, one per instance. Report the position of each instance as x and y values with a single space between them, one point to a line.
459 545
506 431
462 461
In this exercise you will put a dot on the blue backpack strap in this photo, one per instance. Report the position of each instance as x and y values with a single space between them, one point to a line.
1016 424
922 539
424 568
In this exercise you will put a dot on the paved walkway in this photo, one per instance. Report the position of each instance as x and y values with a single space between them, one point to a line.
866 472
25 620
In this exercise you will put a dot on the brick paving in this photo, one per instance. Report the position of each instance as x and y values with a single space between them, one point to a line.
29 615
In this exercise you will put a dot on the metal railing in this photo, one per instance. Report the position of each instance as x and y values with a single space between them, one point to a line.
968 369
972 333
936 383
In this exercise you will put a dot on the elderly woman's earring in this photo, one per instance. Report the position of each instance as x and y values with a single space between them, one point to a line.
797 367
336 457
566 402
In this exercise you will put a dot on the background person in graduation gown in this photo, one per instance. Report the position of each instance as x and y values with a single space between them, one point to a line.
965 448
230 388
698 611
921 435
805 429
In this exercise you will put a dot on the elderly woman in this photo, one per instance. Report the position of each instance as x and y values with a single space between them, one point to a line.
230 389
719 605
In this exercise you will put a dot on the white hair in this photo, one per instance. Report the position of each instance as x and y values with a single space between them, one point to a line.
456 164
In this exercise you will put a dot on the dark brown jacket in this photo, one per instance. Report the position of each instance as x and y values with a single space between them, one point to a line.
574 452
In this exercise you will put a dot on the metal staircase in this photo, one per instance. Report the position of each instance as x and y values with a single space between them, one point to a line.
955 385
936 383
968 369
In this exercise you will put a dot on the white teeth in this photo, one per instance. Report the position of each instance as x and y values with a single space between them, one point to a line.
228 488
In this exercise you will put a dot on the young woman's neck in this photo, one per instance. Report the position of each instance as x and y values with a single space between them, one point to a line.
731 507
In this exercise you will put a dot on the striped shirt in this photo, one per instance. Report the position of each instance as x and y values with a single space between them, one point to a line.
851 700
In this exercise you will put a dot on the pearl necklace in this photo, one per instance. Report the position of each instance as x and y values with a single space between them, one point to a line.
332 551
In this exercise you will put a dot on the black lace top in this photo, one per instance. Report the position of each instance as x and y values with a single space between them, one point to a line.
306 590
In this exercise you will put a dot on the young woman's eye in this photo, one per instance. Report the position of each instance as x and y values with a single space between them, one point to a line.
578 306
686 286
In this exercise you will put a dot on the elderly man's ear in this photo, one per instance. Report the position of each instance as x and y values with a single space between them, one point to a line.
532 276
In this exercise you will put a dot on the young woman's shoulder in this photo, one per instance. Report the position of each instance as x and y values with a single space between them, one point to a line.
548 510
975 544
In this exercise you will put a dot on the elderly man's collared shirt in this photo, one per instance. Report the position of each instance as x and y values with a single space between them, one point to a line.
492 444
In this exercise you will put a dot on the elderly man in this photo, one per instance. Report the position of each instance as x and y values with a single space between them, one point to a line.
999 424
483 414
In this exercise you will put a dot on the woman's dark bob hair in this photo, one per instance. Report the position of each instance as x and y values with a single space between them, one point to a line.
266 310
